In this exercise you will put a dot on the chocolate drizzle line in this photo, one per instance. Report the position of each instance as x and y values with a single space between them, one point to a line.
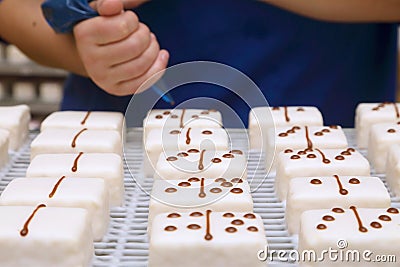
396 109
208 235
324 159
181 120
342 191
25 229
56 187
202 194
201 159
286 114
75 166
361 228
73 144
309 142
85 118
188 136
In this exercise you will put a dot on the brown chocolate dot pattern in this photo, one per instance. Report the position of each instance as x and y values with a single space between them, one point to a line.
237 222
194 227
196 214
228 215
393 210
174 215
193 180
184 184
170 228
172 158
252 229
231 230
170 190
206 132
249 216
338 210
175 132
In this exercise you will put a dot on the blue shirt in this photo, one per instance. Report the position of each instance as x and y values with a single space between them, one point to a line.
294 60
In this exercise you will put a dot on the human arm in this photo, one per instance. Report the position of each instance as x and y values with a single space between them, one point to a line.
343 10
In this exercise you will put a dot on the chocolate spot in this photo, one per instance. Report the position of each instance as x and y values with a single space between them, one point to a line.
316 181
311 156
228 156
172 158
301 152
207 132
193 150
363 229
237 222
175 132
300 109
236 190
333 127
216 160
174 215
282 134
354 181
385 218
343 191
220 180
275 108
339 158
321 226
295 157
376 225
328 218
184 184
236 151
393 210
249 216
216 190
391 131
351 150
228 215
174 116
170 228
291 131
183 154
167 112
237 180
319 134
345 153
326 131
288 151
194 179
231 230
296 128
326 161
338 210
195 116
159 117
252 229
205 112
170 190
194 227
196 214
226 184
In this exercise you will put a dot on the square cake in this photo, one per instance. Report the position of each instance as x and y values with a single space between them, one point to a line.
312 193
382 136
200 194
54 141
86 193
302 137
160 140
107 166
393 169
4 134
350 232
317 162
173 165
368 114
92 120
45 236
261 119
180 118
15 119
212 239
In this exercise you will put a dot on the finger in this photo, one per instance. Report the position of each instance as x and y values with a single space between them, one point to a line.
105 30
109 7
139 84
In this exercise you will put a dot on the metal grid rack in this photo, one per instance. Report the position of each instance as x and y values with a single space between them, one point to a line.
126 242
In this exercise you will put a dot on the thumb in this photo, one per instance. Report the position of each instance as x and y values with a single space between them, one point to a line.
109 7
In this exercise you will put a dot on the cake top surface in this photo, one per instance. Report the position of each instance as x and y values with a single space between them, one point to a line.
84 119
352 224
387 131
208 228
339 186
197 161
196 191
291 115
379 110
179 118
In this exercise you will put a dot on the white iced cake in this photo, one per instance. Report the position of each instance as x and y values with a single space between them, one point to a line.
4 137
15 119
92 120
54 141
261 119
87 193
161 140
351 232
393 169
180 118
45 236
200 194
317 162
368 114
312 193
302 137
205 163
382 136
106 166
213 239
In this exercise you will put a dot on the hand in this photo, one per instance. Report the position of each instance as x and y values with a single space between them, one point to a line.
118 52
128 4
